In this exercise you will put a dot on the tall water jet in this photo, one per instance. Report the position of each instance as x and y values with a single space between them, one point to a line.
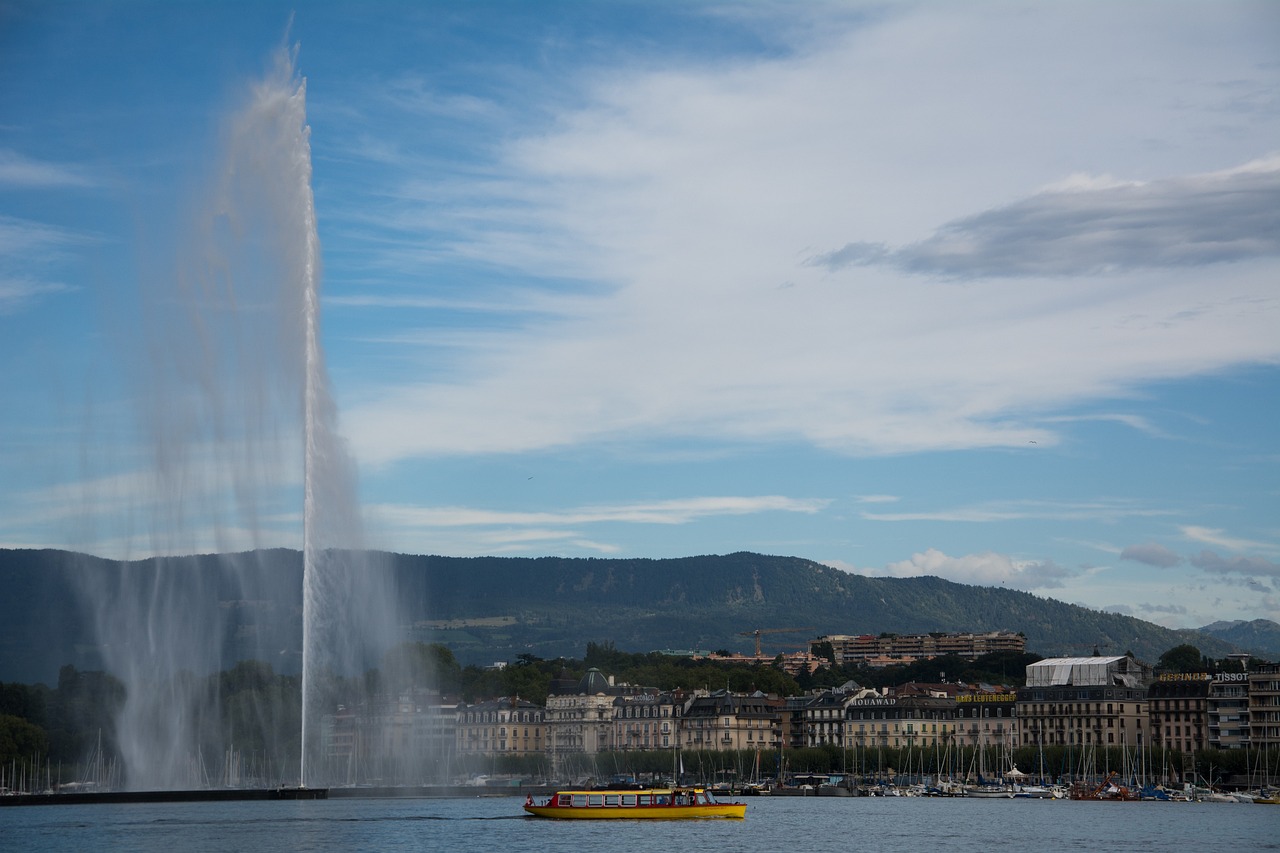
235 411
348 614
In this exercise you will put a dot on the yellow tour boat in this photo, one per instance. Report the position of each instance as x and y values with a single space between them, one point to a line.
634 804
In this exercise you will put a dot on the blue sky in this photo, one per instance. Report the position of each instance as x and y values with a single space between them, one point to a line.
989 291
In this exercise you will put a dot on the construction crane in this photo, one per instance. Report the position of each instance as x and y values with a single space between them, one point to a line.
1097 648
759 631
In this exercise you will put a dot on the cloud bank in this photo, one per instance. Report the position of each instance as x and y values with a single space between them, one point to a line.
1096 226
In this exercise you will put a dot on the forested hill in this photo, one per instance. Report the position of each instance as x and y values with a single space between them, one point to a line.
494 608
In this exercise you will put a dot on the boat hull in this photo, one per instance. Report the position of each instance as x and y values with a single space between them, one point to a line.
729 810
637 804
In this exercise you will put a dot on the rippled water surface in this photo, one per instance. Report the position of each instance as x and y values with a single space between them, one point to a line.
781 824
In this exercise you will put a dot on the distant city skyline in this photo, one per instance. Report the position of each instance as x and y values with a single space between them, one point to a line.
983 291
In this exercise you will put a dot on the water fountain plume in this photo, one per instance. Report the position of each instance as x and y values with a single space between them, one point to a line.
236 409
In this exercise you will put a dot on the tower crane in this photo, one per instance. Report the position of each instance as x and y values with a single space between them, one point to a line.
759 631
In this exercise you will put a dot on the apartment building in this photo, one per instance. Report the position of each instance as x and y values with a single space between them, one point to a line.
505 726
887 649
987 719
1178 703
900 721
728 721
648 720
1098 701
1227 711
1264 708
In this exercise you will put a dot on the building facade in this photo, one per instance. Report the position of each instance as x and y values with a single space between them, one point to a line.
1096 701
987 719
579 715
506 726
884 649
647 720
900 721
1178 703
729 721
1227 711
1264 708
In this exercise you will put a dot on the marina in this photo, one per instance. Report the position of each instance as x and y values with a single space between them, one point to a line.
462 825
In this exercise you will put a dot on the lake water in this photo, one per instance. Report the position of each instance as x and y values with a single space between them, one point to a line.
774 825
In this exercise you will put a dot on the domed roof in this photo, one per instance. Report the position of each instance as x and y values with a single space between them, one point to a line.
593 682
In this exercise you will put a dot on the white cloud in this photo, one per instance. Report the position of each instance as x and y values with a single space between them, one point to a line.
16 294
991 512
685 198
18 170
676 511
1151 553
1249 567
1215 536
472 530
985 569
1188 221
28 250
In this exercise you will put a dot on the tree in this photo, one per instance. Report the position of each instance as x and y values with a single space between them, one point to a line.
1183 658
825 650
20 741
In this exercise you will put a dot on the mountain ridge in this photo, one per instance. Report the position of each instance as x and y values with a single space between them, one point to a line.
494 608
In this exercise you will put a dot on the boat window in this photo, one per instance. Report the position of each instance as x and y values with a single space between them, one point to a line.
646 799
579 801
610 799
564 800
628 799
595 799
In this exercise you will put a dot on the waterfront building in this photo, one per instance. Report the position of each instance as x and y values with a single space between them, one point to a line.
824 720
987 718
1264 708
729 721
1227 711
900 721
1178 704
1094 701
505 726
579 715
648 720
792 733
408 738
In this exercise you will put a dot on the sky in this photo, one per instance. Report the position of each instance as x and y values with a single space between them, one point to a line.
988 291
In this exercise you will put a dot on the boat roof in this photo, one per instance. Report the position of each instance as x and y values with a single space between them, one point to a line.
636 790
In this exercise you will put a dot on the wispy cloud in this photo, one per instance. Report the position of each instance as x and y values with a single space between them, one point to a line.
20 237
17 294
661 512
1152 554
1101 510
1250 567
1089 226
685 199
984 569
20 171
1137 422
1215 536
29 252
472 530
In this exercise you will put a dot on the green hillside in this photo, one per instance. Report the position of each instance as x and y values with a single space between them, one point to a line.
490 608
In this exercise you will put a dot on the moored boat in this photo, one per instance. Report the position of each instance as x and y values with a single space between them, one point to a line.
990 792
637 804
